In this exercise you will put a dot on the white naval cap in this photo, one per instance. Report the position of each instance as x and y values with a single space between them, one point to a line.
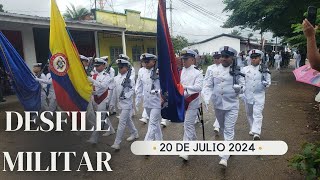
99 61
123 56
105 58
226 50
256 53
216 54
147 56
188 53
37 64
82 57
123 62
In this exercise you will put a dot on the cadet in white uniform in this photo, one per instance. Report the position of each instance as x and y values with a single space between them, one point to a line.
297 57
210 70
52 106
144 117
278 60
148 86
102 83
123 94
41 78
256 83
192 82
227 85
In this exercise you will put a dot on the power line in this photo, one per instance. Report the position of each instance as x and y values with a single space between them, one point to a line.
201 10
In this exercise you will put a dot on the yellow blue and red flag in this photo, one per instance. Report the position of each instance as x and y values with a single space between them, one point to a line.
70 83
171 88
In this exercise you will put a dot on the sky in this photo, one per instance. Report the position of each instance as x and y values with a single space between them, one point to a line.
186 21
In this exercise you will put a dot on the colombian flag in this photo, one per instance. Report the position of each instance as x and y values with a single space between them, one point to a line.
171 88
69 79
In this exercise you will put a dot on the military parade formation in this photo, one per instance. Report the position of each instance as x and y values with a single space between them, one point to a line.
223 85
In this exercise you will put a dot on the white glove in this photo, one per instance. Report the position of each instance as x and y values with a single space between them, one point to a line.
90 79
236 88
265 83
37 79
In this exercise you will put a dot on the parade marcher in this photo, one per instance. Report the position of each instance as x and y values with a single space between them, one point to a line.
102 83
148 87
227 85
41 77
111 73
256 83
241 60
84 61
144 117
278 60
123 94
50 95
297 57
210 70
192 82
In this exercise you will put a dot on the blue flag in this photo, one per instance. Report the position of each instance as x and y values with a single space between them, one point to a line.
27 88
172 90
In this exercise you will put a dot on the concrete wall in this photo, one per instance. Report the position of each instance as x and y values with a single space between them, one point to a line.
131 20
215 44
29 52
106 41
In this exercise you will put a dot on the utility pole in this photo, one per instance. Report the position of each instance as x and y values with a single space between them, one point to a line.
171 22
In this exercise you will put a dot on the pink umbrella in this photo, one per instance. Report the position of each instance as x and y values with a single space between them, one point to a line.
307 75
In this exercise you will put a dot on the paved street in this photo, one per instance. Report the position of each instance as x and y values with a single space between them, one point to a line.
290 115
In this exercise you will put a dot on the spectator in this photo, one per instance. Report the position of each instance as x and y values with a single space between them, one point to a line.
312 51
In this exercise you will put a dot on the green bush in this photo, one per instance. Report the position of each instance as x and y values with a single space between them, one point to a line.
308 161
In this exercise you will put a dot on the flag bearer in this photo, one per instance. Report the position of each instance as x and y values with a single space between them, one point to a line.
41 77
192 81
102 82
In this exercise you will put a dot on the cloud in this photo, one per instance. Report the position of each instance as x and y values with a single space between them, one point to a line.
187 21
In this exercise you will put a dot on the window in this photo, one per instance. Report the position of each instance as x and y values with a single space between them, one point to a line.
151 50
136 53
114 52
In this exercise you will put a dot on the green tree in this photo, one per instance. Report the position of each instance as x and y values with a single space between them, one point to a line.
267 15
235 33
1 8
179 42
74 13
298 39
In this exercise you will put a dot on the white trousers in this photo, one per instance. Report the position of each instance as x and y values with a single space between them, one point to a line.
101 107
144 114
254 116
154 128
52 104
44 103
189 126
125 119
297 64
227 120
278 65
